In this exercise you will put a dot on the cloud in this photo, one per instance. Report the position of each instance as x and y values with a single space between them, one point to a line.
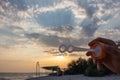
44 39
90 10
89 27
24 4
10 32
57 21
4 46
67 15
53 40
11 35
109 33
55 33
111 30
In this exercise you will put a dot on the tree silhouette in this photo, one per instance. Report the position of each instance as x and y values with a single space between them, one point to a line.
86 67
76 67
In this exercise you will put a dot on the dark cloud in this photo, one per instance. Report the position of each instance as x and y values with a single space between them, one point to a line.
20 4
66 28
89 27
12 27
4 46
50 40
90 10
87 5
55 40
33 35
106 17
44 39
24 4
90 24
118 27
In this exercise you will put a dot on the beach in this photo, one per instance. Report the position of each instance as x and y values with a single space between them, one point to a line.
77 77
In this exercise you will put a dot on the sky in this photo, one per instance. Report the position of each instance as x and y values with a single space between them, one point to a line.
31 30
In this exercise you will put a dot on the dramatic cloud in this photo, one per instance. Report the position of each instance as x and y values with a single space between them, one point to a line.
53 22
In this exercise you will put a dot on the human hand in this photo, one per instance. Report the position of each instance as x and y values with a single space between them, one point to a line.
112 58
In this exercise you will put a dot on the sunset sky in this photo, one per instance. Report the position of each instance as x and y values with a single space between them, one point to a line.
31 30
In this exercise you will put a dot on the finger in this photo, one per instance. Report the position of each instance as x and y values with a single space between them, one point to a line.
99 66
89 53
103 40
111 50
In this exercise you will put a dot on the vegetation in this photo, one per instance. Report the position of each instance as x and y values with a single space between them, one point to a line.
77 67
86 67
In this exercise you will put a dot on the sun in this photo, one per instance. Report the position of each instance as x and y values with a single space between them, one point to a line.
60 58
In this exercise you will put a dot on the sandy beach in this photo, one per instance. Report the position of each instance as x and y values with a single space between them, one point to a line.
77 77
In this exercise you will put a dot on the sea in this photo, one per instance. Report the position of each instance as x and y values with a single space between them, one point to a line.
19 76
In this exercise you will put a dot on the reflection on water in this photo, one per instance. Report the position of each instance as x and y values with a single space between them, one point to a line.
18 76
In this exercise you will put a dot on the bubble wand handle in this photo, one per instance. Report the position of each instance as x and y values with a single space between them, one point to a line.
97 50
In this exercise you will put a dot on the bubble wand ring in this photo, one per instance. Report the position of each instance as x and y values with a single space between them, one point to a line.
62 48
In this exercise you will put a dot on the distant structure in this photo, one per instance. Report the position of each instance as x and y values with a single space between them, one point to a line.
56 71
37 69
